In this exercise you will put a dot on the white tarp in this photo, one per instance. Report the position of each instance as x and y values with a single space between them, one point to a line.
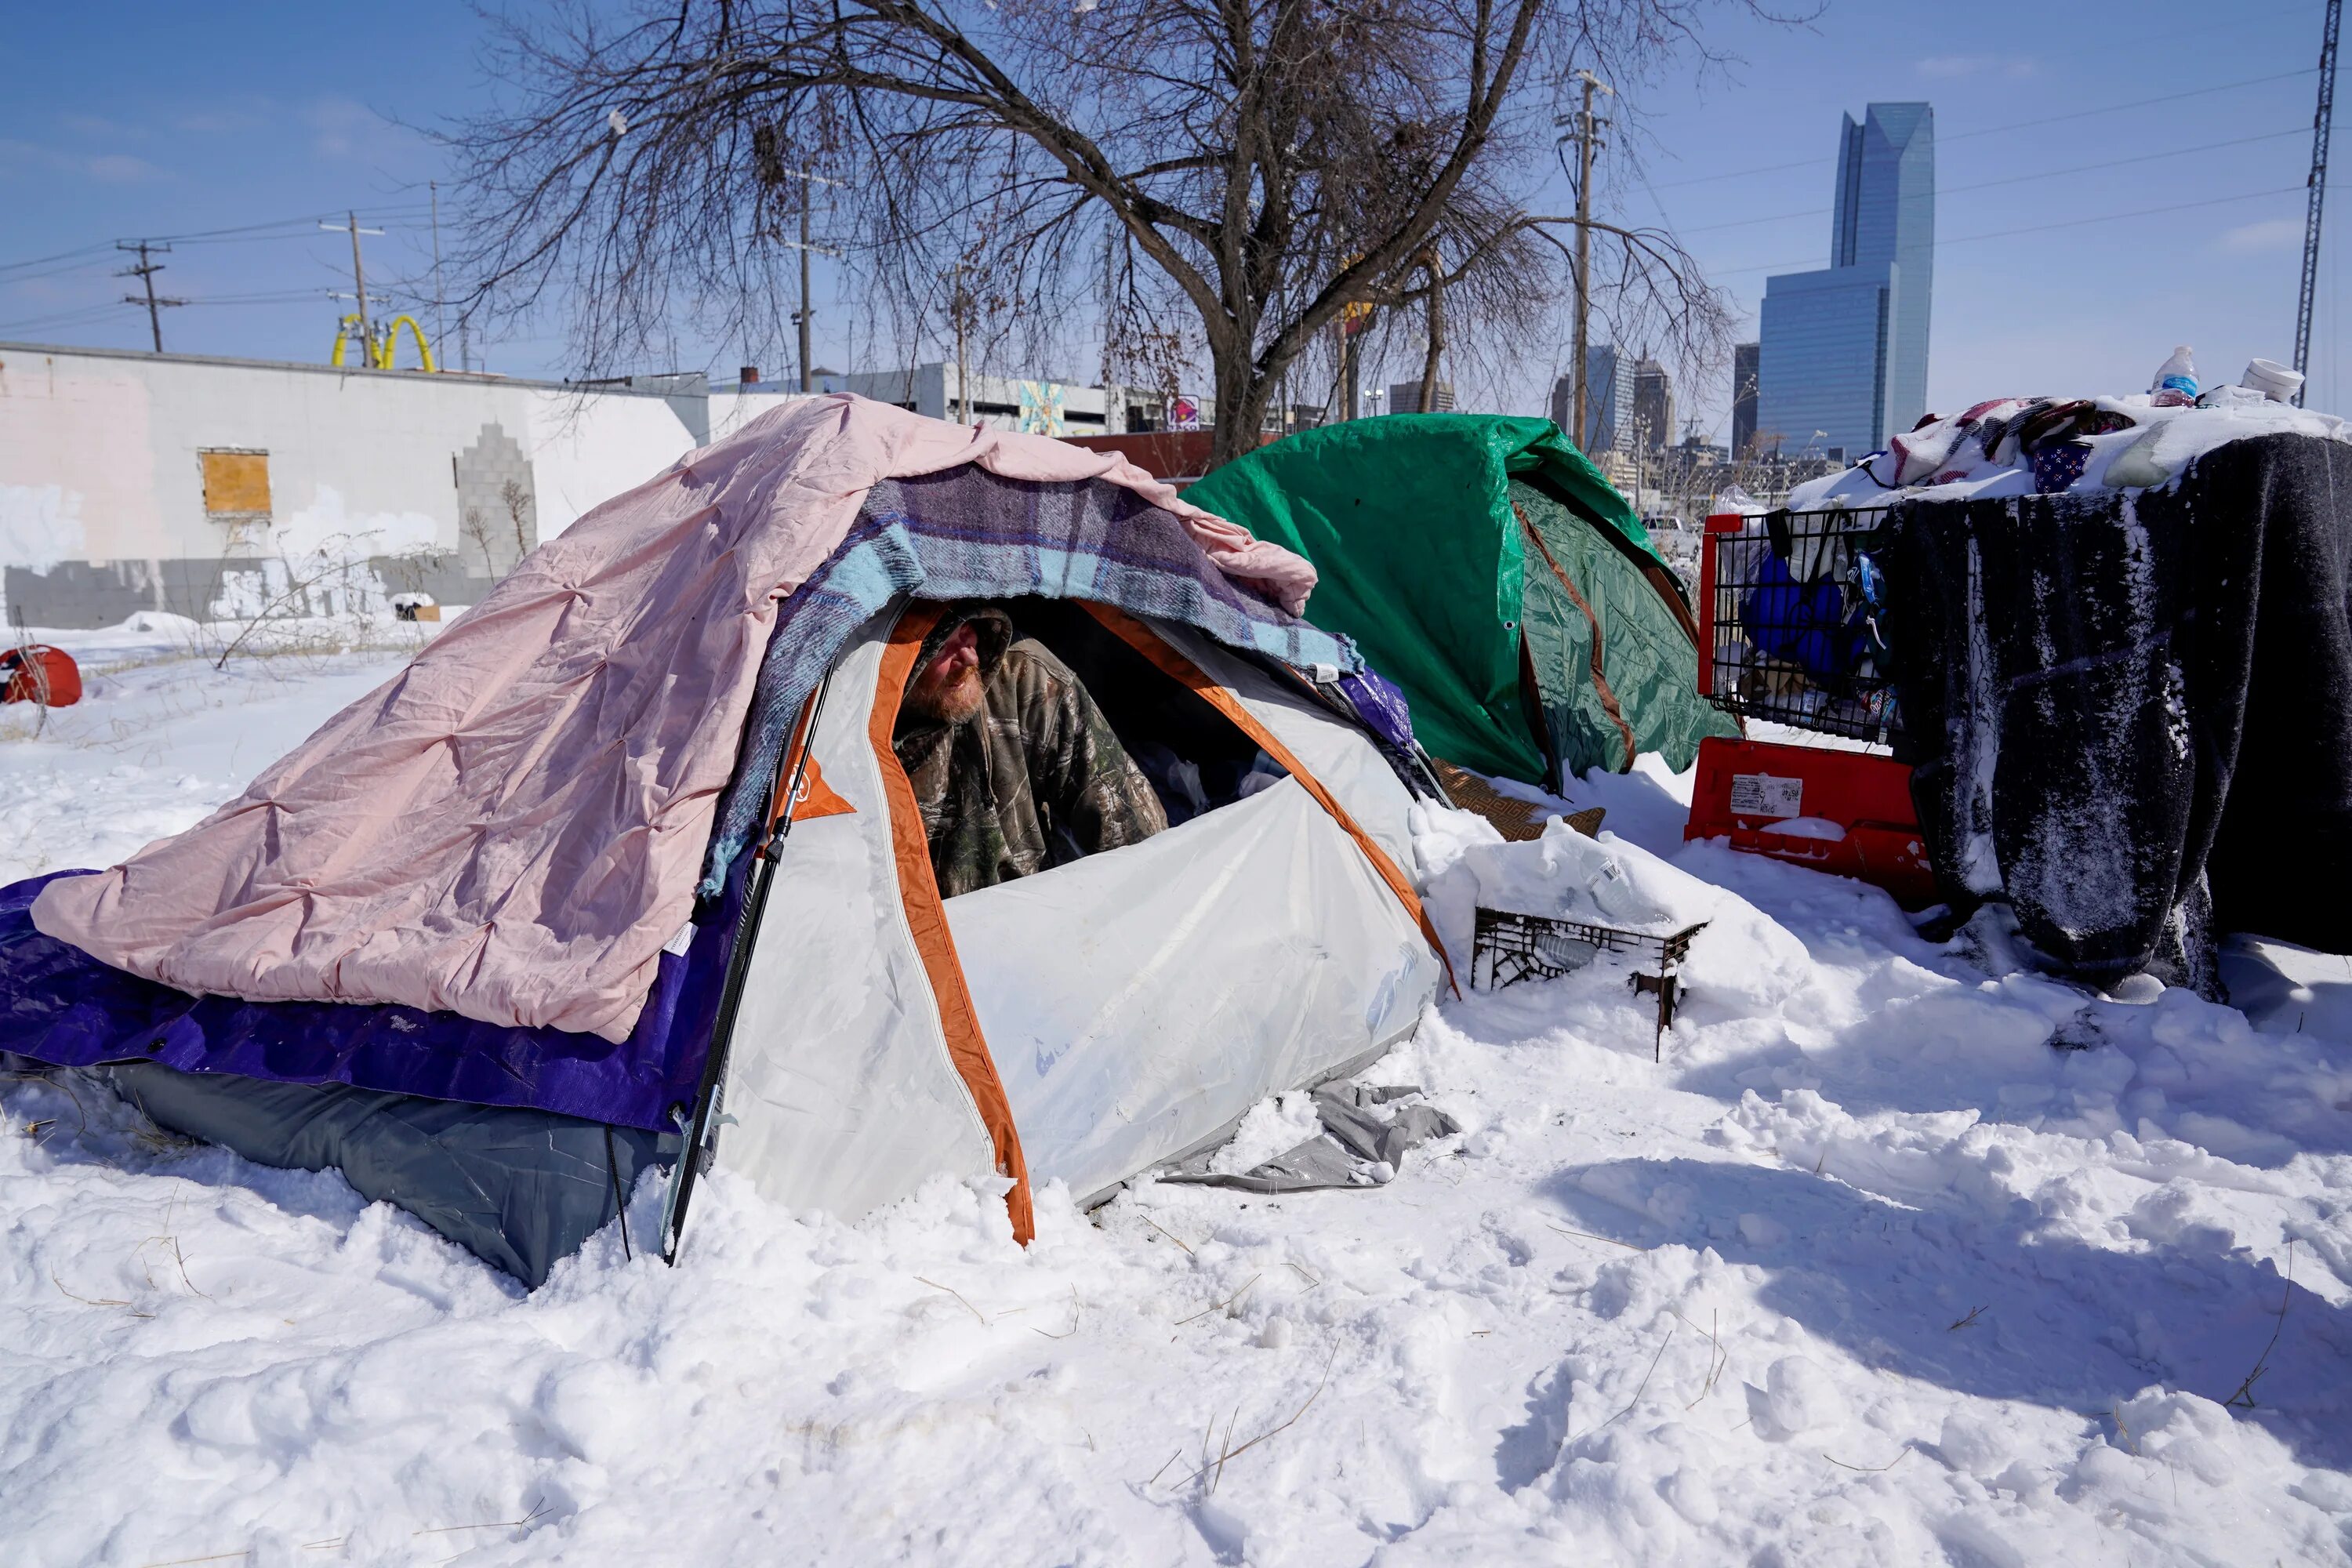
1135 1003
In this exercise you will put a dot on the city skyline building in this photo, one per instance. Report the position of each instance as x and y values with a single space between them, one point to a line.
1600 432
1652 427
1743 397
1841 360
1404 397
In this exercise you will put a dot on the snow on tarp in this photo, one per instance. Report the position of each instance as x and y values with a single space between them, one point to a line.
511 828
2130 708
2010 446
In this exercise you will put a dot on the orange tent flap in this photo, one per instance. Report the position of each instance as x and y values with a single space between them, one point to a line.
1172 663
926 918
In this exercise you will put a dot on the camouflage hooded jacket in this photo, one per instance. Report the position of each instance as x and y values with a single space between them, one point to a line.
1035 779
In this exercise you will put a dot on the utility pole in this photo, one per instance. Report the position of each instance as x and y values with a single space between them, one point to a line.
801 315
1587 138
1351 390
359 273
1109 307
145 272
440 321
963 387
809 181
2319 127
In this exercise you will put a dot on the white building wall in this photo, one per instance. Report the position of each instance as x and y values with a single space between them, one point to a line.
731 410
102 481
1043 406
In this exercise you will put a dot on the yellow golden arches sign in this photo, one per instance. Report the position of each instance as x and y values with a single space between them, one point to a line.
378 352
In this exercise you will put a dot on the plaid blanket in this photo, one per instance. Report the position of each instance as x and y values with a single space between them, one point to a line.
968 534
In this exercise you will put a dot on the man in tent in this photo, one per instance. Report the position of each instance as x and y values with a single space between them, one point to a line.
1014 767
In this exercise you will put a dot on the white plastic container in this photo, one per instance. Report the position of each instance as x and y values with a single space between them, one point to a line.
2273 379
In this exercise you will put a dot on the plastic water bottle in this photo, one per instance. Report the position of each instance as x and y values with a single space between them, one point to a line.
2175 385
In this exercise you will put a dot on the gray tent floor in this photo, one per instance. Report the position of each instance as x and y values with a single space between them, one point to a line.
519 1189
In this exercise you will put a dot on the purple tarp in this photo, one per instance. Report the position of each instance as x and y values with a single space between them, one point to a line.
59 1005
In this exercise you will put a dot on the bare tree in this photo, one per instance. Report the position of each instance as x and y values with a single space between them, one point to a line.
1264 164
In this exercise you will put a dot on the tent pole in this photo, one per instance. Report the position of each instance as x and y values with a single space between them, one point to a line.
701 1130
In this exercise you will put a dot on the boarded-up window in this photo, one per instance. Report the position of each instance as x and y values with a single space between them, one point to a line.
236 483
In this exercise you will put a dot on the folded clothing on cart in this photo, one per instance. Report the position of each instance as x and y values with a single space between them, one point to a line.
2121 722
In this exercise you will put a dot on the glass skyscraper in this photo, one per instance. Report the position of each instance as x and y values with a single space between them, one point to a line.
1843 351
1600 398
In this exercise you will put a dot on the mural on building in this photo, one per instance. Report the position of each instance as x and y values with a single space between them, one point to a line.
498 503
1042 408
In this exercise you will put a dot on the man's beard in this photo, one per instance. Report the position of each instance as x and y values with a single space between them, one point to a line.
961 701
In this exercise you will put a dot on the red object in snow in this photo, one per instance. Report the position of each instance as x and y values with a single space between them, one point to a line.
36 672
1745 787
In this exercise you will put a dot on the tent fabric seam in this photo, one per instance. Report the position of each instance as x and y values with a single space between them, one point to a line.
1608 703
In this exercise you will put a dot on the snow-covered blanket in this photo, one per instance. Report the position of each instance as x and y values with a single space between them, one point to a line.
511 828
2117 697
2010 446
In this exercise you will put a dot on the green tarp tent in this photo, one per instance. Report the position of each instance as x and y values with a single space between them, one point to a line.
1485 567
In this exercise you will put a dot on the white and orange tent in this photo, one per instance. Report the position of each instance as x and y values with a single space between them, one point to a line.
629 843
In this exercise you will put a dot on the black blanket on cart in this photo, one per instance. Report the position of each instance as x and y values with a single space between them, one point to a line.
2128 710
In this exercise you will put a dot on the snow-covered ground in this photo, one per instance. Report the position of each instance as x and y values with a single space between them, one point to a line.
1889 1260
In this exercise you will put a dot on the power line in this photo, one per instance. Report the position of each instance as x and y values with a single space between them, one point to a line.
2021 179
2015 125
87 313
98 250
276 297
290 222
2038 227
297 227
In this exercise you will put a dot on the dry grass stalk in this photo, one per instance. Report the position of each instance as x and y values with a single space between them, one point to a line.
1074 1322
1974 1313
1872 1469
958 1295
1588 1235
1215 1469
54 1080
1178 1240
2244 1398
1718 1357
1222 1305
1570 1442
523 1523
98 1301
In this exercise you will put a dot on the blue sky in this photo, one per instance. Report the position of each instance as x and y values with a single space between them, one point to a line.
138 119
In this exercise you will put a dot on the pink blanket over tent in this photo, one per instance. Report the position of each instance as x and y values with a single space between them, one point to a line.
512 827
